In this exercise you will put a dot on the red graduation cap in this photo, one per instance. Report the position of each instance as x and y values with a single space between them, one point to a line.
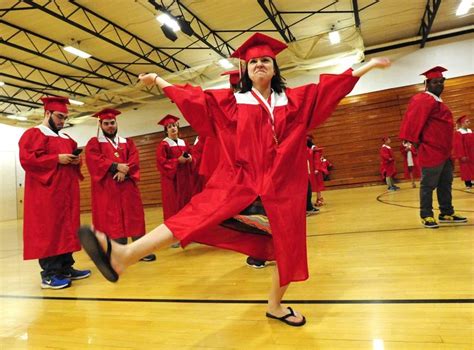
234 76
55 103
460 120
168 119
259 45
107 113
435 72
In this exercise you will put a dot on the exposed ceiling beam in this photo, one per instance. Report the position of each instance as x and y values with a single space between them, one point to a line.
427 20
52 50
95 24
355 7
276 18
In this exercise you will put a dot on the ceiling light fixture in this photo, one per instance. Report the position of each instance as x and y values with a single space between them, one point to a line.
334 37
2 83
185 26
169 21
76 51
76 102
464 7
225 63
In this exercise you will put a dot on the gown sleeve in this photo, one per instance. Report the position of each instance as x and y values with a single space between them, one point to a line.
97 163
167 166
133 161
34 157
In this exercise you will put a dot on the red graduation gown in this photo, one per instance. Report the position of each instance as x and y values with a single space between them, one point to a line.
252 165
429 123
177 180
415 167
117 208
464 148
314 164
51 208
206 156
387 162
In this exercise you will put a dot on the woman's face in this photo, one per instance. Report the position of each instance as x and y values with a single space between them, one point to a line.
172 130
261 69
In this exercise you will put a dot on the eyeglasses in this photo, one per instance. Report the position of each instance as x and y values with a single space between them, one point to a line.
60 116
112 122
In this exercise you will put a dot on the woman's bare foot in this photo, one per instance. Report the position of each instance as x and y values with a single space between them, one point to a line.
283 311
118 257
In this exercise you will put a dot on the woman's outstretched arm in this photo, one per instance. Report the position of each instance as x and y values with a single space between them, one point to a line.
376 62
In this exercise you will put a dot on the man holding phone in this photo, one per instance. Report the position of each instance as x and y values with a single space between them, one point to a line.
113 164
51 208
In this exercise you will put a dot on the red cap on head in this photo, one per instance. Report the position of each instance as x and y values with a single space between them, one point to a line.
259 45
435 72
385 138
107 113
461 120
234 76
55 103
168 119
309 137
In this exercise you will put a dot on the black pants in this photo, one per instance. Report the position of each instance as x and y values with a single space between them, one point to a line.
309 193
441 179
468 183
56 265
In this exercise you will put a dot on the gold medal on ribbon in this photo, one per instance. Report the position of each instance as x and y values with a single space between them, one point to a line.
117 154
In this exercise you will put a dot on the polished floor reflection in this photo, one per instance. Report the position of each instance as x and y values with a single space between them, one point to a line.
378 280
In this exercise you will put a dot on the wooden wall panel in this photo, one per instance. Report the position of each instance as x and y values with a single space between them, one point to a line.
351 137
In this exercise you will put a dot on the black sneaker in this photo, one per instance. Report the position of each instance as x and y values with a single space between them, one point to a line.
312 211
148 258
451 219
74 274
429 222
255 263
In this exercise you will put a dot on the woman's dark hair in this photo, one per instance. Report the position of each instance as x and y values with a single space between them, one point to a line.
277 84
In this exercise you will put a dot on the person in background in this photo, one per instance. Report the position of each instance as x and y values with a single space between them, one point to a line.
428 125
464 150
387 164
410 162
113 163
315 178
51 210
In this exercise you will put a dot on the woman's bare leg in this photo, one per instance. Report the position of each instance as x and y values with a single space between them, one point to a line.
126 255
274 299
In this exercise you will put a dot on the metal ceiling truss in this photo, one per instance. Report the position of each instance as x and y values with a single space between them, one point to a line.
427 20
202 31
48 79
102 28
277 19
49 49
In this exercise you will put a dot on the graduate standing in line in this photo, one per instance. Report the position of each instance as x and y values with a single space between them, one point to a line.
387 164
51 209
464 150
411 168
261 132
113 163
428 126
175 163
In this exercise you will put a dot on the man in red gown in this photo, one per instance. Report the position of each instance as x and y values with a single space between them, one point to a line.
428 124
464 150
51 209
113 164
175 164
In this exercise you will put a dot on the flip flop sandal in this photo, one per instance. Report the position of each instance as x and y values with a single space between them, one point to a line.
100 258
284 318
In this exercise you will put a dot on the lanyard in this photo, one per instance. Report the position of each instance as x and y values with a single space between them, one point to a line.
269 108
117 148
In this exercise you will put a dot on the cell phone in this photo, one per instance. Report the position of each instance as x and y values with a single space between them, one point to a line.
77 151
186 155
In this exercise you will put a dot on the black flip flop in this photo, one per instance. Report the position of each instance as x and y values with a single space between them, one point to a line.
100 258
284 319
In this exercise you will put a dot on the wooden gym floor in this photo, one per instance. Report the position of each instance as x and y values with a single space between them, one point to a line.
378 280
